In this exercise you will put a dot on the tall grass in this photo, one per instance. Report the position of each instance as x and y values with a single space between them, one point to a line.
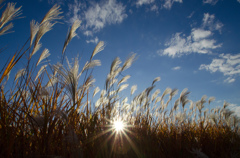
49 113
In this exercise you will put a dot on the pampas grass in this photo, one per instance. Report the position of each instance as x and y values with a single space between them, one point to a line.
48 112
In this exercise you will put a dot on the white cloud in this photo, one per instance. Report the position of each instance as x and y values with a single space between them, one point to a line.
95 40
97 15
154 8
198 34
210 22
110 12
142 2
213 2
238 1
196 42
229 80
176 68
75 11
168 3
190 16
88 33
199 41
227 64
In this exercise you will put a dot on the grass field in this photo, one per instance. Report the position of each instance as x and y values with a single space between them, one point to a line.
49 113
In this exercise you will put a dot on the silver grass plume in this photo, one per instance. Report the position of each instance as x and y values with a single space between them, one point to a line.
34 27
225 104
96 90
9 14
40 71
72 33
98 48
91 64
115 65
44 28
177 102
124 79
43 56
211 99
167 91
129 61
191 105
53 79
155 94
47 24
158 99
53 14
5 29
122 87
148 90
133 89
89 82
183 97
20 73
156 80
172 94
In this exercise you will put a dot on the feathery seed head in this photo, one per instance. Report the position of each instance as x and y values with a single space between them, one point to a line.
96 90
72 33
5 29
98 48
122 87
52 14
129 61
20 73
34 27
43 56
124 79
156 80
133 89
40 71
9 14
211 99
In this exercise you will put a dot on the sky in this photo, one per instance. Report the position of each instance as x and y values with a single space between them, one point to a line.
190 44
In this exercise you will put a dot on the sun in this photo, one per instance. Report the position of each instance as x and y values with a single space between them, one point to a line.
118 125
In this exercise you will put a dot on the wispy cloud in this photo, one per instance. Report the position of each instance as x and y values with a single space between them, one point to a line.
212 2
238 1
199 41
75 11
227 64
154 8
168 3
100 14
211 23
176 68
95 40
142 2
190 16
96 15
88 33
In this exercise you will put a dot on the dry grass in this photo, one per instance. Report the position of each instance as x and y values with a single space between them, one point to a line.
58 118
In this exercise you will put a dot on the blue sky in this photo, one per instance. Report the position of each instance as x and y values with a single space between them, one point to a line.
190 44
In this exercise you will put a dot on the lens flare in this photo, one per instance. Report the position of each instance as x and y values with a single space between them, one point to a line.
118 125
